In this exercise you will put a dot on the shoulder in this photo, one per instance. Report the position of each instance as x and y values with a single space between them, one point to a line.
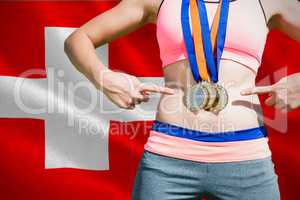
147 8
271 7
151 8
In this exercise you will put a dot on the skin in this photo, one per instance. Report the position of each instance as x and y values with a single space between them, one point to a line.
126 90
285 94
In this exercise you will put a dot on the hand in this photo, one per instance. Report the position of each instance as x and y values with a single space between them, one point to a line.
126 90
284 95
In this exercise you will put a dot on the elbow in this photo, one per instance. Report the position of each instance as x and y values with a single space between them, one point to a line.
68 43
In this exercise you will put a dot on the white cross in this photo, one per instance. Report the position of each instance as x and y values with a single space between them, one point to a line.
74 138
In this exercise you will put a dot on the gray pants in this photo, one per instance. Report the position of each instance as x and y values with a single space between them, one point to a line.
165 178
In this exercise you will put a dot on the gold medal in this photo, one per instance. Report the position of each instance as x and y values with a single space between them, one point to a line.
196 97
222 99
212 94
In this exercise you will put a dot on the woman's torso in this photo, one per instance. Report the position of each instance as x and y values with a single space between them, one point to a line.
245 39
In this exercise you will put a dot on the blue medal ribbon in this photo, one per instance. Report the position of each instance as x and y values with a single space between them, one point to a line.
212 62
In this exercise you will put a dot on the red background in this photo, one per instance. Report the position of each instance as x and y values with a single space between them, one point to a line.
22 173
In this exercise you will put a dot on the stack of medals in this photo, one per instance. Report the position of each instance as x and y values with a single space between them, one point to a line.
204 48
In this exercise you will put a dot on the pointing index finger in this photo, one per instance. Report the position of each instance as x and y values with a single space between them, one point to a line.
155 88
258 90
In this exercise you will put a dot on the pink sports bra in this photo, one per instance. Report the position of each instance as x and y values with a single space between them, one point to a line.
245 38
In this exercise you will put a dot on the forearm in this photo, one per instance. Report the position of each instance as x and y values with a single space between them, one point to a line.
82 54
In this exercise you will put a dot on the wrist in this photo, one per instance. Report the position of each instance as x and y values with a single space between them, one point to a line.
98 78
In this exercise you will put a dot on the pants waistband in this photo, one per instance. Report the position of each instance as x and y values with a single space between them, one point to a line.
227 136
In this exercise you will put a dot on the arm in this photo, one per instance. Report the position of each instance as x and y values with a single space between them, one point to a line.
125 17
128 15
285 16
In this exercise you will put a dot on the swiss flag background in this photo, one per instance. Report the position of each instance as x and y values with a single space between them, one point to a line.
22 172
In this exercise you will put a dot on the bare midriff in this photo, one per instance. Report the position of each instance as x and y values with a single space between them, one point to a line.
241 112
